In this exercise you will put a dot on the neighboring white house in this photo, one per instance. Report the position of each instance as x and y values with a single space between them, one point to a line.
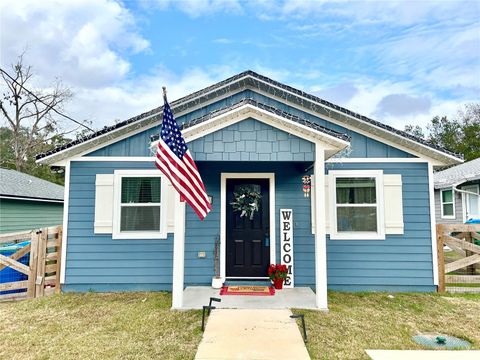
457 193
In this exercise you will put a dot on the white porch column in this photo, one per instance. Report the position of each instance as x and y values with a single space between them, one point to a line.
320 236
178 253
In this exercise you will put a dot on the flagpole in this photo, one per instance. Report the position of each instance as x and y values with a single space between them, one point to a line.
164 94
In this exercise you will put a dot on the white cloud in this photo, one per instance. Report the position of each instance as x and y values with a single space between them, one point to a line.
81 41
197 8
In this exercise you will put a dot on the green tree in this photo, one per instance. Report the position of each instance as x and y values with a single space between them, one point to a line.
460 135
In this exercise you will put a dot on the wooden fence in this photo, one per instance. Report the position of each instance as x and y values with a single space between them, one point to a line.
43 271
459 269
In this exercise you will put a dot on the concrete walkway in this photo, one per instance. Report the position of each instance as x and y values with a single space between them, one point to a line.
423 354
252 334
194 297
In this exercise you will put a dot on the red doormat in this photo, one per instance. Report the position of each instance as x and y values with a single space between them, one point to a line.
248 290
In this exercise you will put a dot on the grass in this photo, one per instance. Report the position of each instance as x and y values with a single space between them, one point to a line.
98 326
362 321
141 325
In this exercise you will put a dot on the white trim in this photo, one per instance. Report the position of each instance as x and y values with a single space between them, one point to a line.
331 160
357 235
66 197
249 111
358 129
376 160
433 228
117 188
141 129
178 254
320 234
223 209
116 158
449 217
29 199
203 104
466 195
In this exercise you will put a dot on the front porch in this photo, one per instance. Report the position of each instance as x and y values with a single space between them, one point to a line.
195 297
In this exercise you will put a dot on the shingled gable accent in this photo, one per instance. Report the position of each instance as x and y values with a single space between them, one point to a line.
332 141
253 81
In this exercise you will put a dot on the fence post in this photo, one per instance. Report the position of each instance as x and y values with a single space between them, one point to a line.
441 259
42 250
34 239
59 258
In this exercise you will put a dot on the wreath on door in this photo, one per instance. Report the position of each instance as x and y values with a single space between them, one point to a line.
246 200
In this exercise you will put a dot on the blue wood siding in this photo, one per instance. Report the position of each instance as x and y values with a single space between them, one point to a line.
252 140
398 263
200 236
361 146
99 263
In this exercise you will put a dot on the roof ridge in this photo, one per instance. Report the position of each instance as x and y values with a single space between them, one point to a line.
269 81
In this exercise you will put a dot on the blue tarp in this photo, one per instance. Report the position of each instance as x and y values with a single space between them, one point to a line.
473 221
8 274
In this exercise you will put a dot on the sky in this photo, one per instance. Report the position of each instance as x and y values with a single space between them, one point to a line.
399 62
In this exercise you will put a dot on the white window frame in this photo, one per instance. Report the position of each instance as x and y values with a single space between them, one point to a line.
357 235
117 196
443 203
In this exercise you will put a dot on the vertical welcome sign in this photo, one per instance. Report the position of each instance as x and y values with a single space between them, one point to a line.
286 244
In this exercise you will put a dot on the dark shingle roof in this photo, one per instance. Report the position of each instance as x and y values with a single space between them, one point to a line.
456 175
245 80
16 184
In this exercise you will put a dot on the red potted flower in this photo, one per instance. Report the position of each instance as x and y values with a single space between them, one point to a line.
277 273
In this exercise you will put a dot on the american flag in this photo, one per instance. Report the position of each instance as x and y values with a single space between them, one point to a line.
175 161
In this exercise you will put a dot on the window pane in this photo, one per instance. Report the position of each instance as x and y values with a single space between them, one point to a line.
140 218
140 190
448 209
357 219
356 191
447 196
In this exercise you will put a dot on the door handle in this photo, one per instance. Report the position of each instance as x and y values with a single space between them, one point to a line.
267 237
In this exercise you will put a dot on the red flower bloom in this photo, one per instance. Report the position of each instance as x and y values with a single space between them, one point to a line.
277 271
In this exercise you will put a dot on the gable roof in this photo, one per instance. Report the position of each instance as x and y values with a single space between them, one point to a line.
254 81
457 175
267 108
14 185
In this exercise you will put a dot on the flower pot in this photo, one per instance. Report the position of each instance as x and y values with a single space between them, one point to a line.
217 283
278 284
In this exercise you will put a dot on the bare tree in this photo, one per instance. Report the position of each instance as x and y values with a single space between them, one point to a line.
31 114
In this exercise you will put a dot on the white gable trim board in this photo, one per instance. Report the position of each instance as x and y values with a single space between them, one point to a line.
332 143
356 125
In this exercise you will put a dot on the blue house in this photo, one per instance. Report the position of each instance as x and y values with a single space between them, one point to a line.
367 223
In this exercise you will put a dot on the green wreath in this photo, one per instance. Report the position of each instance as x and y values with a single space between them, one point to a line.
246 200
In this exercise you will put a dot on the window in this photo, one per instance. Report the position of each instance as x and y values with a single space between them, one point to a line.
357 213
138 211
448 204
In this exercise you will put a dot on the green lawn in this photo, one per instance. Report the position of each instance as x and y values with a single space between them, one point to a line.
141 325
374 321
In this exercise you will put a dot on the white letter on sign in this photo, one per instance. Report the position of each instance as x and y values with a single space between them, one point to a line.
286 244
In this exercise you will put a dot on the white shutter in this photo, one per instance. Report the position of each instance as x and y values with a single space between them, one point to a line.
326 203
393 203
103 204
